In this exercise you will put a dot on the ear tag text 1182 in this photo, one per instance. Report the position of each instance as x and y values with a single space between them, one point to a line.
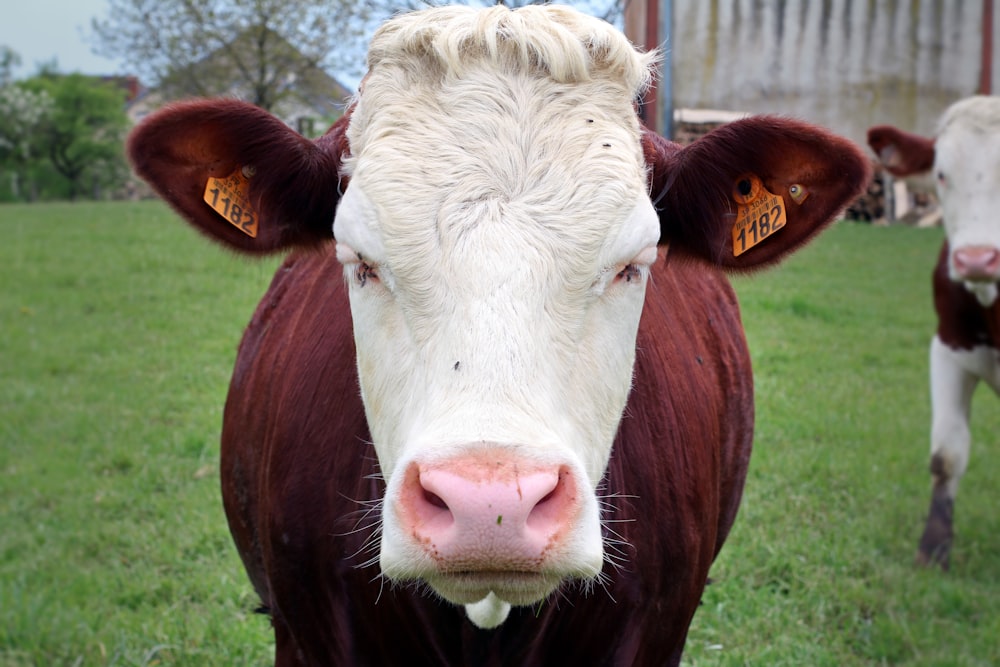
228 197
759 213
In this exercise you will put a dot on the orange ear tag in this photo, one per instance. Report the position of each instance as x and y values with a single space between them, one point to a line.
228 196
759 213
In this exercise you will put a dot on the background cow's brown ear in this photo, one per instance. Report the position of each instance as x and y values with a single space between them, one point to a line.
719 198
275 188
901 153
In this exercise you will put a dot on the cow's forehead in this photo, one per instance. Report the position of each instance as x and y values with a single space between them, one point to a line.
444 146
965 130
555 177
969 156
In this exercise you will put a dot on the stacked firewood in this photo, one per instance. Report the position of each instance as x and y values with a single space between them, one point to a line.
870 206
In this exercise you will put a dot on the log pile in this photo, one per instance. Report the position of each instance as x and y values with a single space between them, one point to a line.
870 206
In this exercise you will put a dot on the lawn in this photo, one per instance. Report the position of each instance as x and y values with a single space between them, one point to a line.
118 330
818 570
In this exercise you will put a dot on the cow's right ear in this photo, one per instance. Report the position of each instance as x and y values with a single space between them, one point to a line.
240 175
901 153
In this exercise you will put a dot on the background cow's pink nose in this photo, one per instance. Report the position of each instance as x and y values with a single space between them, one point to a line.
488 511
977 262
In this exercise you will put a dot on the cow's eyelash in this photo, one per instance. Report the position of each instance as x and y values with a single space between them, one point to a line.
630 273
364 272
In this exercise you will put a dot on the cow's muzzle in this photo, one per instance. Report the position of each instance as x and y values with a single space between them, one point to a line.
976 263
494 521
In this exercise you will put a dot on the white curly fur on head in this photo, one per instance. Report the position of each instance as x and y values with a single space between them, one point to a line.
565 44
979 113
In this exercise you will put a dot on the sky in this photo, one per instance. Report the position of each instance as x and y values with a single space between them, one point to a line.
43 30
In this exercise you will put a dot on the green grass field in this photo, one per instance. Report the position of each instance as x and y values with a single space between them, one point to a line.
118 330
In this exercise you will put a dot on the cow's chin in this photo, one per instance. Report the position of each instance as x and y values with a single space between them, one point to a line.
985 291
517 588
489 596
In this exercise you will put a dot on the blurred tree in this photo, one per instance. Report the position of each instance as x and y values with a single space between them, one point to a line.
9 61
211 47
83 131
22 112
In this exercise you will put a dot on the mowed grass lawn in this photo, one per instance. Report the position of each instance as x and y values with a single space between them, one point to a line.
118 330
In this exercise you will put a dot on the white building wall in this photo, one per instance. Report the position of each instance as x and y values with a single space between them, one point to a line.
845 64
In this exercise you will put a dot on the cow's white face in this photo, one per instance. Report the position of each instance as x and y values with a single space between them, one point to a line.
496 236
513 334
513 342
967 171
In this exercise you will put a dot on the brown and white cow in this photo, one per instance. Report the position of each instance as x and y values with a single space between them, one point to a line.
965 159
491 424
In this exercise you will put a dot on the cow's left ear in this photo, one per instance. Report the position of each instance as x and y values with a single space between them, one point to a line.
901 153
750 192
241 176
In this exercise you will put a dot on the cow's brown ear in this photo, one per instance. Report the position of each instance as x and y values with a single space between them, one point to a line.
901 153
750 192
240 175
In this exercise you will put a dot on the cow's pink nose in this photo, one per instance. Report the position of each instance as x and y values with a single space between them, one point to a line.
488 511
977 262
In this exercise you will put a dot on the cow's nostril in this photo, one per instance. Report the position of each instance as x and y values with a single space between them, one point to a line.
549 496
435 500
550 511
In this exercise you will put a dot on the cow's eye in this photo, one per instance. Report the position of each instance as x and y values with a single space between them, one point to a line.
359 269
364 273
625 274
637 269
942 179
630 273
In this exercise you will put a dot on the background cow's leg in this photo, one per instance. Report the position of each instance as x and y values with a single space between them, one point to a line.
952 385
